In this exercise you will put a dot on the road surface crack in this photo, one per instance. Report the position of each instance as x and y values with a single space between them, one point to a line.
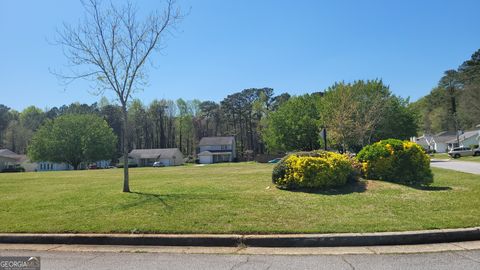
347 262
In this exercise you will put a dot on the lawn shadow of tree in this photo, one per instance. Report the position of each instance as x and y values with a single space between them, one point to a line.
417 186
426 188
145 198
352 187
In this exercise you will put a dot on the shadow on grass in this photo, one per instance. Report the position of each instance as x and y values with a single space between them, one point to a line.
439 160
355 187
427 188
145 198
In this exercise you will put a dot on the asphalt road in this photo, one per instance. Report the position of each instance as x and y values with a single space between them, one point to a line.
107 260
461 166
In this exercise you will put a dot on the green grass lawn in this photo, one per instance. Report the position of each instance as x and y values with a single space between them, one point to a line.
440 156
475 159
227 198
446 156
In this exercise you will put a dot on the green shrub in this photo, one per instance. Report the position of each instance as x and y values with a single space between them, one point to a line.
396 161
313 170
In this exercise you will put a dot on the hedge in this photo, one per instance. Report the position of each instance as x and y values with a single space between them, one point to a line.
313 170
396 161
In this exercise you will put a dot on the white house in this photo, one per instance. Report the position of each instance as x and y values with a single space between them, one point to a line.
44 166
466 139
217 149
423 141
166 156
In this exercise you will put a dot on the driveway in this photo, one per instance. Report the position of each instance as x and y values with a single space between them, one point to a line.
456 165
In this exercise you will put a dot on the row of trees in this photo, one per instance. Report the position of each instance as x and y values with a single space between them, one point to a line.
454 104
160 124
354 114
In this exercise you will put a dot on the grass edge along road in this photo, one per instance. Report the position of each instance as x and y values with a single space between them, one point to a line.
227 198
446 156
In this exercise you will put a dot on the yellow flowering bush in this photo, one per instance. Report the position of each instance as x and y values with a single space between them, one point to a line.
396 161
313 170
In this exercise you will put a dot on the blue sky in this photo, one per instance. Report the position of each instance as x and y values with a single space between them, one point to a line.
224 46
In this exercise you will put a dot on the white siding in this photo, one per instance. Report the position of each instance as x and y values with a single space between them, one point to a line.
49 166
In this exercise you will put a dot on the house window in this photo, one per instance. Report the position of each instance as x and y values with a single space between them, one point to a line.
224 147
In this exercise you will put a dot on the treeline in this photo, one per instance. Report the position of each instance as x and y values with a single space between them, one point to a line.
454 104
354 115
160 124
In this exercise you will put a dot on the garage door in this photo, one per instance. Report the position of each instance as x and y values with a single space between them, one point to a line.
165 161
205 159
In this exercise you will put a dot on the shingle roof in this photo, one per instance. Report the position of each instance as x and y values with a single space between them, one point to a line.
445 136
216 141
153 153
464 136
11 155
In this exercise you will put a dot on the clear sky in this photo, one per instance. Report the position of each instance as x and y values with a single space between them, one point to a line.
224 46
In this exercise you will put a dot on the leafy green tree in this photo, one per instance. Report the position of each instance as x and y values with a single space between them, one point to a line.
73 139
32 118
469 105
399 121
210 112
453 104
294 125
157 115
352 113
17 135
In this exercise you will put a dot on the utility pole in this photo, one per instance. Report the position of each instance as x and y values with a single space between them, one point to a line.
323 134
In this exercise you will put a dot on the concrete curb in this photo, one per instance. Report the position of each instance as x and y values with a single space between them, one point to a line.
232 240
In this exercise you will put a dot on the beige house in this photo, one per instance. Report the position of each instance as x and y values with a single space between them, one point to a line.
166 156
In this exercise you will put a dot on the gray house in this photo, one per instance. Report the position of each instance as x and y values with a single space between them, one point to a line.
166 156
217 149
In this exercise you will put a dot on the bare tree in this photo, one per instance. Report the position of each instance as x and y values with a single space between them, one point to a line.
111 47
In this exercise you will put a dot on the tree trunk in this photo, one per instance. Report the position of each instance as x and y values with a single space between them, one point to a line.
126 186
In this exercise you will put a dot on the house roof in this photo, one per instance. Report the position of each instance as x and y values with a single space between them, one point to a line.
208 153
466 135
11 155
444 136
153 153
216 141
